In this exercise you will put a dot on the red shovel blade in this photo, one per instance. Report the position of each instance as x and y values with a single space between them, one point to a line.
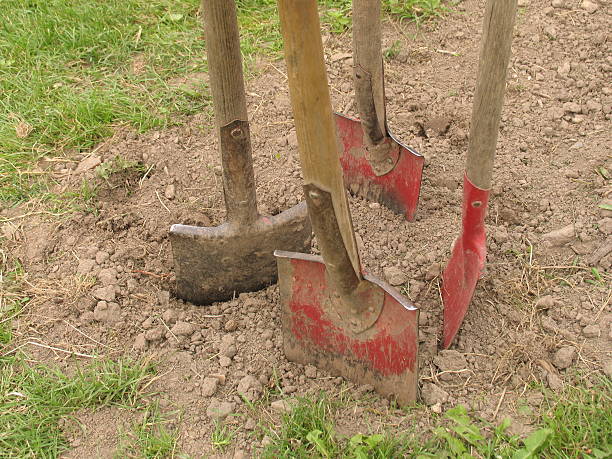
384 355
398 189
467 261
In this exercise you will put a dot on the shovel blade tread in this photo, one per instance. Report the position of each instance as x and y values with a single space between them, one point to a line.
384 356
398 189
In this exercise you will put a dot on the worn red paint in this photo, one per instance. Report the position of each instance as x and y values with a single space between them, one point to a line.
398 189
467 261
390 350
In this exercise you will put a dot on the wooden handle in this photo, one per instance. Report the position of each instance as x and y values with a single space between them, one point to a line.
229 101
314 123
368 70
491 83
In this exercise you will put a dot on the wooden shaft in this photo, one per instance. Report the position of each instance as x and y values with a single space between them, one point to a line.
368 71
229 101
314 123
491 83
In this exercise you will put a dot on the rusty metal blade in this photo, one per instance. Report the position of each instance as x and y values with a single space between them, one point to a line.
398 189
384 355
217 263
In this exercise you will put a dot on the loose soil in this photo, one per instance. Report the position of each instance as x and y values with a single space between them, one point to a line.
102 283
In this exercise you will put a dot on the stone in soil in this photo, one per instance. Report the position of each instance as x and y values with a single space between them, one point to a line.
88 164
183 329
433 394
169 316
85 266
107 312
209 386
281 406
554 381
250 388
140 342
219 410
607 368
589 6
227 348
545 302
591 331
105 293
560 237
231 325
395 276
564 357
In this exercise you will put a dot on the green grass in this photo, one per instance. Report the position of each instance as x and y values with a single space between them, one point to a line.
66 75
73 70
308 431
575 424
149 438
33 400
581 419
222 436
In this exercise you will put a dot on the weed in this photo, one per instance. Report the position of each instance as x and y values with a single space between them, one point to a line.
33 400
306 430
119 165
221 436
149 438
393 51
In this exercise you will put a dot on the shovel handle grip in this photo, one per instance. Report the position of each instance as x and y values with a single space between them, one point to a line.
489 96
368 70
229 101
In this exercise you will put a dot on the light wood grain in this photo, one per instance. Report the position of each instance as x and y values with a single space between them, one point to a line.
314 123
229 102
490 87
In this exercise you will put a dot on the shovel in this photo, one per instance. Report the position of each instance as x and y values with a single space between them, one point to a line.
333 315
214 264
376 165
469 252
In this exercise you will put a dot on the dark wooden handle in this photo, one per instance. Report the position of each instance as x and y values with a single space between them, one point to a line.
314 123
491 83
368 71
229 101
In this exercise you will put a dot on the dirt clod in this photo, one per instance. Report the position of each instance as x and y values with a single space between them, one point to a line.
591 331
564 357
209 386
395 276
433 394
183 329
105 293
560 236
218 409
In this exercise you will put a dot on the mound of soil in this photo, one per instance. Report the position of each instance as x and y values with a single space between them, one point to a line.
102 282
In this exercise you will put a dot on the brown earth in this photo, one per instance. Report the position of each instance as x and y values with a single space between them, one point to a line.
101 282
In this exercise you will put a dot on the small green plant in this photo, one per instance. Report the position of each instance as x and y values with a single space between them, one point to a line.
393 51
149 439
306 430
221 436
119 165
